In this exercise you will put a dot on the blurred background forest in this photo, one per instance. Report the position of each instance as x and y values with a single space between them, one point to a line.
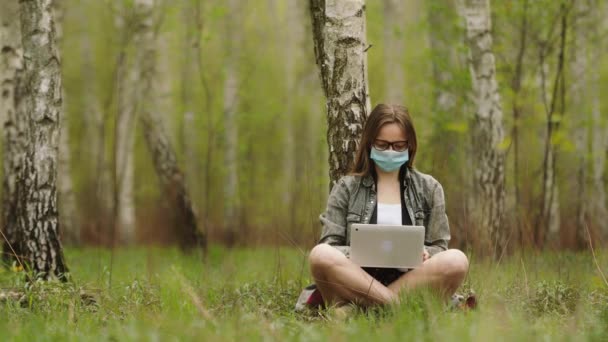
238 93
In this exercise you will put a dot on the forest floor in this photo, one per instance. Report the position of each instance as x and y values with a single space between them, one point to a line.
249 294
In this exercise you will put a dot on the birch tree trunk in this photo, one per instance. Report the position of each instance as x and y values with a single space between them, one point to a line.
68 213
394 48
340 51
231 103
38 215
165 162
128 98
14 122
489 192
579 65
192 168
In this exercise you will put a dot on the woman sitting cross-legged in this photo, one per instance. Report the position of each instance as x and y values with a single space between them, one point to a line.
384 188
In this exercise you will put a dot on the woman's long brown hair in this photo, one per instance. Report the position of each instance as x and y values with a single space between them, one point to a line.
381 115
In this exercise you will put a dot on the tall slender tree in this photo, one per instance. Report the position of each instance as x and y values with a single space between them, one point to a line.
579 88
128 94
192 169
489 190
553 98
340 51
37 208
165 161
14 122
231 130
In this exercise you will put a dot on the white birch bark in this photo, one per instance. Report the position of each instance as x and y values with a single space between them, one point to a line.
340 51
13 121
549 218
68 213
128 97
394 48
38 213
489 193
230 104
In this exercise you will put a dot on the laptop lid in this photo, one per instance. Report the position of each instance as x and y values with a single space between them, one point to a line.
377 245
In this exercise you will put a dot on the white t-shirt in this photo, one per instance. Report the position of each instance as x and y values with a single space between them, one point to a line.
389 214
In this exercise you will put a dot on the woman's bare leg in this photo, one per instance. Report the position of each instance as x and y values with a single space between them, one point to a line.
444 272
342 281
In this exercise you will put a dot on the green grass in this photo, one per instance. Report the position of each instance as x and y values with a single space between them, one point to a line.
248 294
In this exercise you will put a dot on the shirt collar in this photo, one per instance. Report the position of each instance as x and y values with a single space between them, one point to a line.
368 180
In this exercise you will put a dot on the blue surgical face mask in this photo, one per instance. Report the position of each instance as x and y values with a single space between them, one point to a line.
389 160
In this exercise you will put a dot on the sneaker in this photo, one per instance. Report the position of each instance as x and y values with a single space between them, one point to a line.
461 302
310 298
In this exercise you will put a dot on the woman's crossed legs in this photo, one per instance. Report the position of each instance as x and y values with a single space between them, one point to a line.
342 281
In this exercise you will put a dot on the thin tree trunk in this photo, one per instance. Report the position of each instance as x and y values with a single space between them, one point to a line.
394 48
172 182
14 122
489 188
231 103
192 168
340 51
548 222
68 213
579 90
165 162
38 215
128 99
210 125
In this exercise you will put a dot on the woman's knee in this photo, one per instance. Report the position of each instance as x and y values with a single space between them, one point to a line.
322 257
455 264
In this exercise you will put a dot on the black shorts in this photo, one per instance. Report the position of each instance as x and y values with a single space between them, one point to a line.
384 275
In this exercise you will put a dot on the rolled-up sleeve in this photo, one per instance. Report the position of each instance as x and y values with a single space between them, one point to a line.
438 228
333 219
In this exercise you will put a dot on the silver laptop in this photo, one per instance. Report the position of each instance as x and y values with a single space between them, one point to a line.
377 245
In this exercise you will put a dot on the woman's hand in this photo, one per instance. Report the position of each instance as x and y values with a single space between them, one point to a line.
425 255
